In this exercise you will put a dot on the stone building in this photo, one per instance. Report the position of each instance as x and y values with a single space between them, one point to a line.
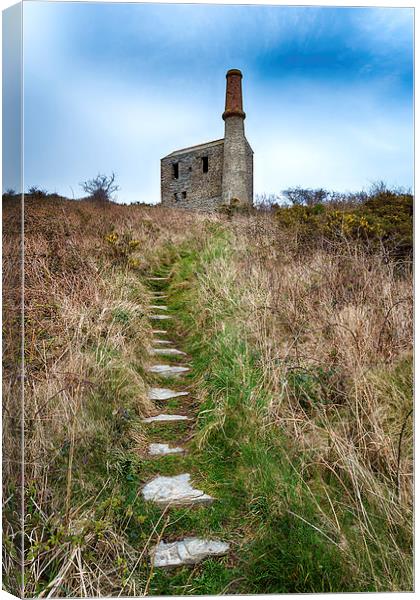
216 173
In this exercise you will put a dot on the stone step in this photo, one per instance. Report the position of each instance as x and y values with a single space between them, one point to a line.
158 331
159 295
156 393
168 370
188 551
157 278
165 418
157 341
160 317
174 491
168 351
157 306
163 449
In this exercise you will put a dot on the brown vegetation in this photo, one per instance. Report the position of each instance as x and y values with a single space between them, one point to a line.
330 317
86 335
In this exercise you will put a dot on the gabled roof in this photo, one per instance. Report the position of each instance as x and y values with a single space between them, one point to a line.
198 147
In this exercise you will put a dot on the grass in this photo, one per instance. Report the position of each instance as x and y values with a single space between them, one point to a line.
301 381
87 338
312 533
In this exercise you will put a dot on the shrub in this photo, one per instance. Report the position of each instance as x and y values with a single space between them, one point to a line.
37 192
122 248
384 217
101 188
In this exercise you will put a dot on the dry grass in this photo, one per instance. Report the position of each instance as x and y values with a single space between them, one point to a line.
333 329
343 310
86 341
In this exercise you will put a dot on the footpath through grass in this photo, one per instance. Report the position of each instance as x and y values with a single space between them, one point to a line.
246 461
271 502
274 505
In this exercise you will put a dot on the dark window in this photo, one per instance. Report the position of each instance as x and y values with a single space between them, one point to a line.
184 194
175 170
176 197
205 161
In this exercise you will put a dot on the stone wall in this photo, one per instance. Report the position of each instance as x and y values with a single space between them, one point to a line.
237 167
249 172
193 188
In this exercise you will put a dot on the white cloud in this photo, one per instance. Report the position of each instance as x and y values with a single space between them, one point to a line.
139 90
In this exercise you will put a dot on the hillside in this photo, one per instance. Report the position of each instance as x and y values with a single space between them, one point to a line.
296 324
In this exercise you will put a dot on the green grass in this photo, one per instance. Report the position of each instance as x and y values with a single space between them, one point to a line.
268 500
270 497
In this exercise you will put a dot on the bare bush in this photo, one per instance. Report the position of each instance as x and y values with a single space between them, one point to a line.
101 188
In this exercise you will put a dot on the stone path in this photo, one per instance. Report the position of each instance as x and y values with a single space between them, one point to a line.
167 370
168 351
157 278
156 393
177 490
158 449
188 551
163 418
174 491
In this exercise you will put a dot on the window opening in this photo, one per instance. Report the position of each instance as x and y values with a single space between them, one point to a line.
175 170
205 163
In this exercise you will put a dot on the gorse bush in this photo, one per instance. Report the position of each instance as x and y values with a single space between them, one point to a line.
384 217
37 192
123 247
393 214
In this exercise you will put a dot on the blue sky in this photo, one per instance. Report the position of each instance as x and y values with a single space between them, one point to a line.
114 87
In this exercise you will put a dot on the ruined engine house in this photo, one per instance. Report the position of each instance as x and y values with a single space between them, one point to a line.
216 173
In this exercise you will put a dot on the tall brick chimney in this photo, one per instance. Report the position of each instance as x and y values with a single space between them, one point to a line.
233 104
237 154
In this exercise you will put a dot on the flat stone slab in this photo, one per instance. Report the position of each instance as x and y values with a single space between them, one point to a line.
160 317
165 418
156 341
168 351
156 393
168 370
159 295
157 278
188 551
174 491
158 331
157 306
163 449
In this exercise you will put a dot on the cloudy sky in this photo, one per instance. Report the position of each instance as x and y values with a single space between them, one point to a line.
114 87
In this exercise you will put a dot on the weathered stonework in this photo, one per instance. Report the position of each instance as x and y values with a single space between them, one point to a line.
249 173
193 188
235 164
209 175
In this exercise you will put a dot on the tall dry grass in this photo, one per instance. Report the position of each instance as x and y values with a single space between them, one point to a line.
328 324
334 326
332 323
86 342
